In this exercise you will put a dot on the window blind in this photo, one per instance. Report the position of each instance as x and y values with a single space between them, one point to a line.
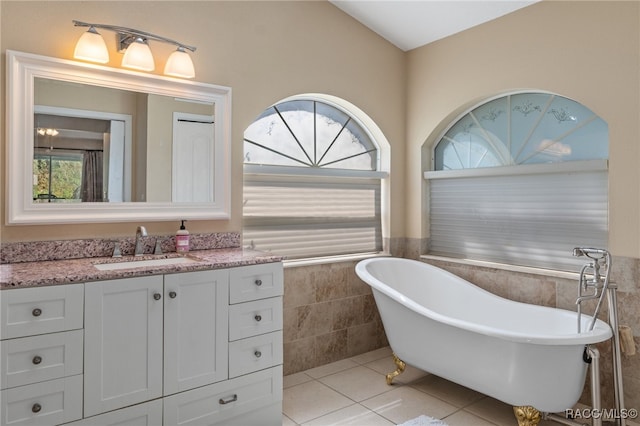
530 219
300 217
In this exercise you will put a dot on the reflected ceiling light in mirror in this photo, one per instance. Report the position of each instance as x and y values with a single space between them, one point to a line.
91 47
48 132
137 52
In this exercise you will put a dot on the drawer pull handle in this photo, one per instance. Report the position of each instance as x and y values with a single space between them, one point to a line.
36 360
36 312
157 296
173 294
258 282
36 408
228 399
258 354
258 318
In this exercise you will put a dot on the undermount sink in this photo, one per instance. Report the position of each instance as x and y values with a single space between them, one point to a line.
143 263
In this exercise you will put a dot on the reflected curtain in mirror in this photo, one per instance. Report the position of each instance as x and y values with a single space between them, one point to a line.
92 172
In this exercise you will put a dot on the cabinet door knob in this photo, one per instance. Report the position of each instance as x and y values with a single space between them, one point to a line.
173 294
228 399
157 296
258 354
258 282
258 318
36 360
36 312
35 408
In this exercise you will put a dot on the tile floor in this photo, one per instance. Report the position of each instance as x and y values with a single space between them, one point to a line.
354 392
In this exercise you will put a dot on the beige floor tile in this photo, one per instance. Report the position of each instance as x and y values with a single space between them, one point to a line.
405 403
296 379
465 418
447 391
286 421
373 355
354 415
334 367
310 400
358 383
494 411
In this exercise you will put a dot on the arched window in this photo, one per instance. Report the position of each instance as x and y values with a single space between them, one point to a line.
312 182
520 179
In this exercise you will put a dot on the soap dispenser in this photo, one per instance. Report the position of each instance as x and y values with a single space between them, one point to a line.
182 239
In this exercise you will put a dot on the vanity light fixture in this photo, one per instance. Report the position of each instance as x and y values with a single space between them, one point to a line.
91 47
137 54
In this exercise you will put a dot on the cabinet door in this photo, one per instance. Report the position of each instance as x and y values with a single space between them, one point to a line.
195 329
123 343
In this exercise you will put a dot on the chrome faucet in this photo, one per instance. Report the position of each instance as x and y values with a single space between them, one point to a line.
140 232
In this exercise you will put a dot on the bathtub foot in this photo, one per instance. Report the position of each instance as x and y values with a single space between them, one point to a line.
527 415
400 366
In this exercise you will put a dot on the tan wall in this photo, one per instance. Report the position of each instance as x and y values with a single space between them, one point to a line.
587 51
264 50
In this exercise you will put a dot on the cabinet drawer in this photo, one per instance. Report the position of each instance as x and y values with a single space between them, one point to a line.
39 358
254 318
255 282
47 403
147 414
217 403
31 311
255 353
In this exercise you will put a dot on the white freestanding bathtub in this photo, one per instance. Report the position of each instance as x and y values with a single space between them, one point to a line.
518 353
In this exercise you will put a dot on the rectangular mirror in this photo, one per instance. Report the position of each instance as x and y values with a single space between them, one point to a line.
94 144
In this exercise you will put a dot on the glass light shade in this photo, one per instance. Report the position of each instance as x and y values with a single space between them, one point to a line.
91 47
138 56
179 64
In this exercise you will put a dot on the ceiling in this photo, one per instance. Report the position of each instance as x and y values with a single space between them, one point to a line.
413 23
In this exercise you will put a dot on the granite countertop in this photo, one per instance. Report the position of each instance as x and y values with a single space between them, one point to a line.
55 272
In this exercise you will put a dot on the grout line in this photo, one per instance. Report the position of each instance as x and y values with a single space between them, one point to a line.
332 411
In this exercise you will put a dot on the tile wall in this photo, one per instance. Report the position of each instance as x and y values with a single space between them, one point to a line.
329 315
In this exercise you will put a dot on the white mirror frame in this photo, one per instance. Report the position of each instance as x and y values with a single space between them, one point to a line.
23 68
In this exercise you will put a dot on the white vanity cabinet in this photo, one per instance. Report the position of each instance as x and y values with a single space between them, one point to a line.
41 355
198 348
153 336
191 348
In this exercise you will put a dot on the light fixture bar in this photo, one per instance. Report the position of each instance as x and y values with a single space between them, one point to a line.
131 34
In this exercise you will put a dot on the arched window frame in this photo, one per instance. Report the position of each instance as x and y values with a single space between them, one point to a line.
305 175
529 215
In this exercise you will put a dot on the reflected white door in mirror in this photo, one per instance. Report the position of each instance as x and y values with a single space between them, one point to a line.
89 143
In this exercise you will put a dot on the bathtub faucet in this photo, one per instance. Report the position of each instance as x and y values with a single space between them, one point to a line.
592 277
597 255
